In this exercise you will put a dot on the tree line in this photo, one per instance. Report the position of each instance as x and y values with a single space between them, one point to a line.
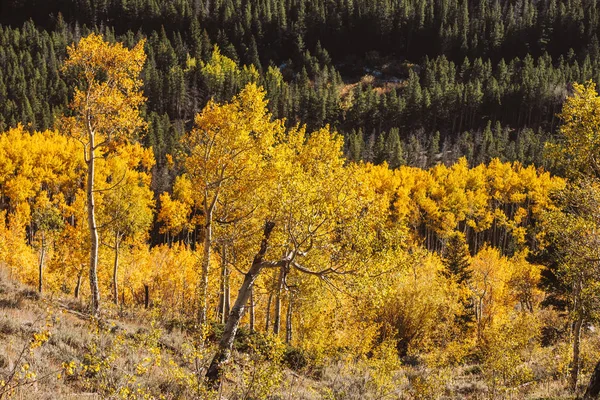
418 67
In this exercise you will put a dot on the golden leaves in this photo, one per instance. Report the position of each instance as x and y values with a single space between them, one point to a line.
34 163
108 97
579 144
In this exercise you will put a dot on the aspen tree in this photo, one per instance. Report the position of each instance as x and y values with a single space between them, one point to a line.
105 112
574 229
226 155
311 223
126 203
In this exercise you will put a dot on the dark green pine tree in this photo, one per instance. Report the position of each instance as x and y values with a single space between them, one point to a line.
355 145
433 149
413 152
394 149
458 268
379 150
487 149
252 56
457 259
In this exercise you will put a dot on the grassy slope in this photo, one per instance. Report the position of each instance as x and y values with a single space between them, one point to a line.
130 356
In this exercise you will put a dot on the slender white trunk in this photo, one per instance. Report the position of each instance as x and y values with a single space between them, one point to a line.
277 320
224 289
227 294
252 314
268 316
205 268
116 270
41 265
288 323
91 210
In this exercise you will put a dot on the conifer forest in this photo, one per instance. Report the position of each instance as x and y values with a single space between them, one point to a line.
299 199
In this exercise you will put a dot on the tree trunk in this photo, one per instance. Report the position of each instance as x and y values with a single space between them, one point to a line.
91 211
593 389
268 320
78 286
146 296
224 294
252 314
41 266
576 344
221 308
115 271
223 354
277 320
288 322
227 295
205 267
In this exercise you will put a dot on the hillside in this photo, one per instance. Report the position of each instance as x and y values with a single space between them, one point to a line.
49 349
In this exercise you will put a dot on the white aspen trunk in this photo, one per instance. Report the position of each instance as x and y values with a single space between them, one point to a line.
252 314
91 211
223 354
223 310
41 265
288 322
277 320
227 294
268 317
205 266
116 270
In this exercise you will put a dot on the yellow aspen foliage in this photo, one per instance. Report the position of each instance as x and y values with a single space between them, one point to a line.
108 99
220 71
491 274
227 157
34 163
67 266
18 256
105 114
501 286
579 142
413 302
175 210
493 203
40 174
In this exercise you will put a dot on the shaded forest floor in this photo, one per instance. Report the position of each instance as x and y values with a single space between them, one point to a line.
50 349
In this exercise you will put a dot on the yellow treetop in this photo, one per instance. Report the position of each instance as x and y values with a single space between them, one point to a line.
108 95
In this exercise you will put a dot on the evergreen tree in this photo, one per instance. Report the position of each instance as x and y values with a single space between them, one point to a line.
457 258
394 150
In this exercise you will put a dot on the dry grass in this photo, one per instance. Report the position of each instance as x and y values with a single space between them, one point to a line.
163 360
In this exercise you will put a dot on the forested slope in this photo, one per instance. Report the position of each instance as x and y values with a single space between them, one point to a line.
489 76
